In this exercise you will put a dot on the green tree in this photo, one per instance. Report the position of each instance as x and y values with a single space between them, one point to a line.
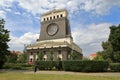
22 58
40 56
51 55
99 57
111 48
4 38
108 51
114 39
85 58
74 55
11 58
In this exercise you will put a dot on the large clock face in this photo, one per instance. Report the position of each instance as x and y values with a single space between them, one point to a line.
52 29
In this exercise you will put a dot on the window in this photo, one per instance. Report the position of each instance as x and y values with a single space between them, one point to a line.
44 59
54 17
31 60
44 52
59 59
50 18
44 19
61 15
37 53
57 16
37 59
59 51
47 18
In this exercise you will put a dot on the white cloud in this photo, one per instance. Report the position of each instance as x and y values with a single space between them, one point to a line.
17 13
6 3
25 24
91 36
2 14
100 7
34 6
17 43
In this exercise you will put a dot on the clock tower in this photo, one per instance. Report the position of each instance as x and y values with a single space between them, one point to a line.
55 36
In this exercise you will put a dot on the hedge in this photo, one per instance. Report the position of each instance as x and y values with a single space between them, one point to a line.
58 65
115 67
18 66
85 66
45 65
78 66
49 65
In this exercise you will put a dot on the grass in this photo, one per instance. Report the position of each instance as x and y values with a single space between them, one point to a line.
22 76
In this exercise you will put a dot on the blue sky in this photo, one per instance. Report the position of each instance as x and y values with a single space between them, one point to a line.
89 20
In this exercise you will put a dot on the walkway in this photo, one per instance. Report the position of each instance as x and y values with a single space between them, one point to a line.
75 73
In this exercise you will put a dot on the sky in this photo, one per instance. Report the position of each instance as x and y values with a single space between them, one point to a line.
89 20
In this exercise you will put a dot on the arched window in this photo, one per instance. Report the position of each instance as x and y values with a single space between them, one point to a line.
59 52
44 59
44 52
31 60
47 18
61 15
57 16
44 19
53 17
50 18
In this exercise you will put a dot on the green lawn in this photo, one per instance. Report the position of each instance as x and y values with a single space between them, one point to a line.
22 76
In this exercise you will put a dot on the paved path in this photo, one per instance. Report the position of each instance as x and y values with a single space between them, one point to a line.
75 73
63 72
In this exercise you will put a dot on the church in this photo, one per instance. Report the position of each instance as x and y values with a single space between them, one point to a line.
55 38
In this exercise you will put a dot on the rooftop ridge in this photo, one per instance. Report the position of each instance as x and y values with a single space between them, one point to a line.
54 11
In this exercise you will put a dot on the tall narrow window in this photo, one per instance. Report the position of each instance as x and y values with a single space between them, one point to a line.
57 16
50 18
44 59
31 60
59 52
44 19
37 59
44 52
61 15
54 17
47 18
37 52
60 59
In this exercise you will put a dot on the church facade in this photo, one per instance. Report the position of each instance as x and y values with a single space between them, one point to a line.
55 37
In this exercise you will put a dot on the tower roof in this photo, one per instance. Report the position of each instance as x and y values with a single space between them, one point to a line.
55 11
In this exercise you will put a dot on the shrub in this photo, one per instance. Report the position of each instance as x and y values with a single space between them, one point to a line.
58 65
12 66
18 66
78 66
45 65
49 65
85 66
115 67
